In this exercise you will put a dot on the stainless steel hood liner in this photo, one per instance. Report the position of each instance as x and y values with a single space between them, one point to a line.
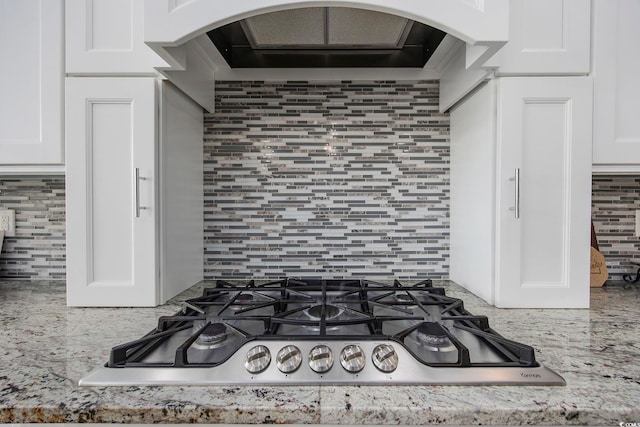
325 27
326 37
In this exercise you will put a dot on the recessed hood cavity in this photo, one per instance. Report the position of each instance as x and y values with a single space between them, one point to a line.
326 37
326 28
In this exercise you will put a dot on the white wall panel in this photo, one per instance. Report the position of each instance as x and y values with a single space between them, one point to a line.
472 211
182 193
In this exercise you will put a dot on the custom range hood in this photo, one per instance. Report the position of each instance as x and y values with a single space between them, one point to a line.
326 37
203 41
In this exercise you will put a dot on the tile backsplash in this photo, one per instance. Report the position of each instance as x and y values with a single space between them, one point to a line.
315 179
37 251
339 179
615 200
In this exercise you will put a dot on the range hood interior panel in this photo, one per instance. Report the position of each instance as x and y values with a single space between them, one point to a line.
329 37
359 27
294 27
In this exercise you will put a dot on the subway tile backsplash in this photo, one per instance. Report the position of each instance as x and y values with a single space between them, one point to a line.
326 179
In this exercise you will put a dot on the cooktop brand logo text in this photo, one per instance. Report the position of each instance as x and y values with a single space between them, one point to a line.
529 375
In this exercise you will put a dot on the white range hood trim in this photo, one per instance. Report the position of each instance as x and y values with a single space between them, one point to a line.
173 22
176 30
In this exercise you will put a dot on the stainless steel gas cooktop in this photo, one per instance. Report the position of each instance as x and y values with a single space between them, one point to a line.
318 331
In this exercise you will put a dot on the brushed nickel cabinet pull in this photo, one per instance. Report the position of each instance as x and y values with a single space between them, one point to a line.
516 184
136 185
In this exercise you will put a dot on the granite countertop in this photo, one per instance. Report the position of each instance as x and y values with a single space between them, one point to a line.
48 346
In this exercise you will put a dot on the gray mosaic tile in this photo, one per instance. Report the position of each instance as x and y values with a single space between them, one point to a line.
340 179
615 199
300 179
37 251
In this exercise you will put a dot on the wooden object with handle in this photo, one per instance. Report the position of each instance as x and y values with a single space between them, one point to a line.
599 272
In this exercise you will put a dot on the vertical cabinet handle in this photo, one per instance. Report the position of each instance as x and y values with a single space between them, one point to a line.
136 191
516 184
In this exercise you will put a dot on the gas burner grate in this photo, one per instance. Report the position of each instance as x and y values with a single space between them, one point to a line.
322 310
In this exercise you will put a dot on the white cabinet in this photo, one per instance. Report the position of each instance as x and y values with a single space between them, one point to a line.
105 37
616 129
537 253
111 216
546 37
117 205
134 170
31 83
544 132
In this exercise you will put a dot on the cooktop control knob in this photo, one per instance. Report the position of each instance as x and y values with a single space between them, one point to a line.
385 358
289 359
257 359
352 358
320 359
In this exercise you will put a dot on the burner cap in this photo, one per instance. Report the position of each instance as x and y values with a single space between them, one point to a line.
213 333
402 297
331 312
238 303
432 333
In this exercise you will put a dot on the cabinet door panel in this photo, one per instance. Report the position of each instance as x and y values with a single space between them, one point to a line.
544 131
106 37
111 248
111 204
617 83
32 80
546 37
543 188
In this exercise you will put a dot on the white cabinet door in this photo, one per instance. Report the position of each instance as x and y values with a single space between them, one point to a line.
111 216
616 129
542 249
106 37
546 37
31 82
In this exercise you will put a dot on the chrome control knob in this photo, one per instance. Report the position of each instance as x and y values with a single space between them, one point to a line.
385 358
289 359
352 358
257 359
320 359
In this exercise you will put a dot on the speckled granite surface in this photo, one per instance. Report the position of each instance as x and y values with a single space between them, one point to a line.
46 347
